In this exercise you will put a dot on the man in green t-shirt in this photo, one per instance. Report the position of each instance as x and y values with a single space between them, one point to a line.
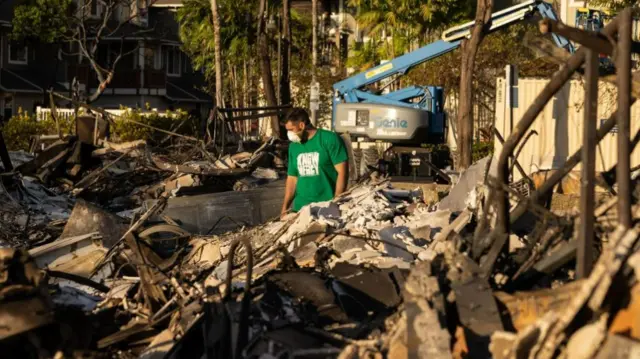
318 168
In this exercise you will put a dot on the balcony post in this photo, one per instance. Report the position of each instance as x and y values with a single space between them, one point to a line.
141 63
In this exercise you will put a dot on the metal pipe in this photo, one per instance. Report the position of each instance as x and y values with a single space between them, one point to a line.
515 159
568 166
573 63
266 108
243 329
523 125
590 39
623 64
253 116
587 187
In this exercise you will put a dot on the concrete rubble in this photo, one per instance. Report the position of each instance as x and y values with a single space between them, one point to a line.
157 254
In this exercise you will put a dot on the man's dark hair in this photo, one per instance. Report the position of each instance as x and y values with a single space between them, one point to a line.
297 115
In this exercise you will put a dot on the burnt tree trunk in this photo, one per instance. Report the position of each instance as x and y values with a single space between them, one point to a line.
217 53
285 80
265 67
465 106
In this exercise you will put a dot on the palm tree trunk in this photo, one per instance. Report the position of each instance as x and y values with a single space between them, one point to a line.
285 80
465 108
245 93
314 54
265 66
218 53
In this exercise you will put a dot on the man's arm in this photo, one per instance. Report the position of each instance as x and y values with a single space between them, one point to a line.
289 193
343 177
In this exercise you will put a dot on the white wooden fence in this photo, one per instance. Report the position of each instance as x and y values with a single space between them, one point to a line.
68 113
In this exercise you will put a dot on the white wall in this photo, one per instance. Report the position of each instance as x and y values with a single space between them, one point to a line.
557 131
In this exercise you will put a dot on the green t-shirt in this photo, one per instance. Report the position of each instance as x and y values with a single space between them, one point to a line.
313 162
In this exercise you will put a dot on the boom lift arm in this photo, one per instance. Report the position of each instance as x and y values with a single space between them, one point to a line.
351 90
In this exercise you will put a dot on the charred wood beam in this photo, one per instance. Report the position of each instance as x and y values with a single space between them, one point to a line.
623 65
515 159
477 308
254 116
573 161
172 167
587 187
600 42
79 279
246 109
561 77
4 155
560 57
561 256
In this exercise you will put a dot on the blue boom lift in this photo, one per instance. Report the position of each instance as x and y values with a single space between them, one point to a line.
413 116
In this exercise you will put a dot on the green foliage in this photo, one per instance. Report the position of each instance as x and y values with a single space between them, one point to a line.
407 24
480 150
613 5
496 51
364 55
20 128
43 20
196 32
176 121
410 19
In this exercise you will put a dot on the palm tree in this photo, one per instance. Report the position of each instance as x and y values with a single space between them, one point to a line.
285 85
218 53
265 65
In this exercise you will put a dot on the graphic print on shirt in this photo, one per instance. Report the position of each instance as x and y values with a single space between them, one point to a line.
308 164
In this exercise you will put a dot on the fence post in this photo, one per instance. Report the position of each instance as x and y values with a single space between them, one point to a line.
587 187
623 67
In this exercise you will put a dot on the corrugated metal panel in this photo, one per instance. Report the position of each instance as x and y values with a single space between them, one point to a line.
198 214
557 132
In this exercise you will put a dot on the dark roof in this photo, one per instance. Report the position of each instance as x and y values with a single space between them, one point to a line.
184 91
26 81
12 82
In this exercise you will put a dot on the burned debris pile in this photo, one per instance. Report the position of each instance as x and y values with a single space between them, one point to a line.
374 273
38 194
126 250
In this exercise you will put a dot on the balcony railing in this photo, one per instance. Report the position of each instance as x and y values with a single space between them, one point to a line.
154 79
133 79
125 78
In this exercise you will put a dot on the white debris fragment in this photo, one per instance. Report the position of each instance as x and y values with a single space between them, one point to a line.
427 255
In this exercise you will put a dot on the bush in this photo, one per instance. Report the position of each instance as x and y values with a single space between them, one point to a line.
20 128
481 150
126 130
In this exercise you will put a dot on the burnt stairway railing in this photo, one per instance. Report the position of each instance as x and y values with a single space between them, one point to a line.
615 41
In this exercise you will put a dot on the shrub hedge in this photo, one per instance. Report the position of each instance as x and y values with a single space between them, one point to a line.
19 129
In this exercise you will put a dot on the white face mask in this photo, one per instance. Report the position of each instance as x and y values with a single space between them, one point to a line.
293 137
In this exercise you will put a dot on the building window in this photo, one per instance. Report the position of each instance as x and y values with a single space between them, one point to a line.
173 61
94 8
18 53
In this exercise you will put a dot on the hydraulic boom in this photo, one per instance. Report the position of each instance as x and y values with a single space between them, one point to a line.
414 114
